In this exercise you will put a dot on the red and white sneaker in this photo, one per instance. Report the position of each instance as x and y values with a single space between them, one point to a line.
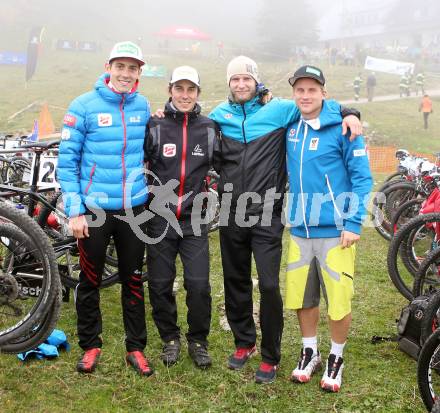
308 364
332 379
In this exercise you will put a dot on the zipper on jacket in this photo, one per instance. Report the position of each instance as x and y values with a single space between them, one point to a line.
300 176
243 163
332 196
124 172
242 124
182 165
92 172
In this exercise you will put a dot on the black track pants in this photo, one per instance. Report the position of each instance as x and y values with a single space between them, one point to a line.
161 262
130 251
237 246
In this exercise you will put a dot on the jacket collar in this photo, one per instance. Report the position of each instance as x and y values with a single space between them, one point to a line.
108 93
171 111
249 106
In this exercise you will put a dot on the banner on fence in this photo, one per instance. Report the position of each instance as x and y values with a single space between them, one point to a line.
394 67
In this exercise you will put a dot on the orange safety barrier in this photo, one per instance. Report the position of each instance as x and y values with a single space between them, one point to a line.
383 159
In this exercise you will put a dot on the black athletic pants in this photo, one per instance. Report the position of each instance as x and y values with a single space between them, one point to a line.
237 246
425 119
130 250
161 263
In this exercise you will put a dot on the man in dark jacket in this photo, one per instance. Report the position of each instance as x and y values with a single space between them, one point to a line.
251 160
178 151
100 171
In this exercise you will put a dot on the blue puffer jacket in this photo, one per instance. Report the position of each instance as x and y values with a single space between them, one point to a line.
100 162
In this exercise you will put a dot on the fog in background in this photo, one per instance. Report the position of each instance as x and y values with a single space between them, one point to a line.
111 20
277 27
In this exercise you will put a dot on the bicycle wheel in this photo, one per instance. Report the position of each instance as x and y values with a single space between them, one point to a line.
29 280
427 278
213 211
417 246
386 202
428 370
396 176
398 256
18 170
405 212
38 334
431 318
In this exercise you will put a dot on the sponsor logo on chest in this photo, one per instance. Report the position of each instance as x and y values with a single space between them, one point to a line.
291 136
198 151
135 119
313 144
169 150
105 119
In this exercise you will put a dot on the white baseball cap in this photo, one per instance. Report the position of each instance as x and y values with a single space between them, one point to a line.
185 73
127 49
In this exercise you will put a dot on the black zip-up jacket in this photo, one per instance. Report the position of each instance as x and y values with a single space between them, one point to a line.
180 147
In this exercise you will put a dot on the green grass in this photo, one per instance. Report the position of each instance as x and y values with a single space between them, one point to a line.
378 378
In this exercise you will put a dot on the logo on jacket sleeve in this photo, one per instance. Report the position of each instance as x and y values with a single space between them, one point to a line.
169 150
228 116
359 152
69 120
198 151
105 119
65 134
313 144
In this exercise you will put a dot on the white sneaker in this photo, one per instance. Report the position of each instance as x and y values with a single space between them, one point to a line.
332 378
308 364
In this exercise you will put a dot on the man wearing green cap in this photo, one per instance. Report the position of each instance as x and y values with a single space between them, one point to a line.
100 170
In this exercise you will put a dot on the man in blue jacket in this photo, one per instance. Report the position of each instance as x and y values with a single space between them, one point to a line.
100 169
329 185
251 161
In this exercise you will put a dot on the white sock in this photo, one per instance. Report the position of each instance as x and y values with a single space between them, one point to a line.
337 349
311 342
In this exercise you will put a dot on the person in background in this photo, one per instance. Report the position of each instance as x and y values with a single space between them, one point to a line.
420 83
371 85
357 86
426 108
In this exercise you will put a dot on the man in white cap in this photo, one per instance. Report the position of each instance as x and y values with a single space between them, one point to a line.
100 169
179 148
252 159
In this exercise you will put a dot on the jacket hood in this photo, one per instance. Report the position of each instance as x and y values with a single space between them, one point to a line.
170 110
330 115
104 90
